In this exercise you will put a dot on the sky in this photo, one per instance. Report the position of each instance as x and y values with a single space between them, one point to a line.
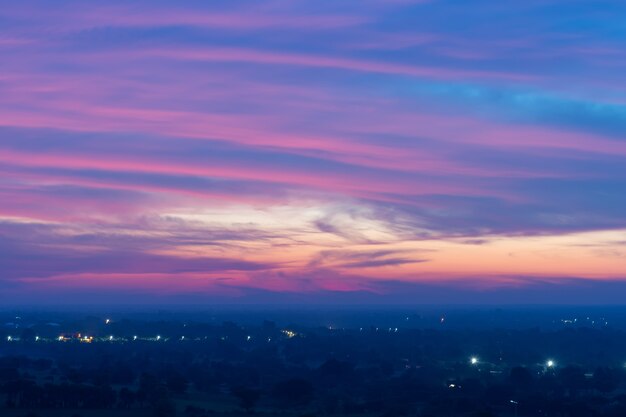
354 151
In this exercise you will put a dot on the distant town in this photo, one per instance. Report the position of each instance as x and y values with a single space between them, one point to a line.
425 366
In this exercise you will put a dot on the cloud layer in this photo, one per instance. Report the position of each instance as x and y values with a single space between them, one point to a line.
311 149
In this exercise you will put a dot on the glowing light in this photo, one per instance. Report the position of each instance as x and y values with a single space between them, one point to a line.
550 363
289 333
134 337
9 338
36 338
473 360
248 338
158 338
107 321
110 337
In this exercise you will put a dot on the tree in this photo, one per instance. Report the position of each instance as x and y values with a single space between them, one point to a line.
247 397
176 383
605 380
294 391
126 398
520 377
573 379
164 408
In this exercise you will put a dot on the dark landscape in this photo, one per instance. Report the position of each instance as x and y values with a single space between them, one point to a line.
394 362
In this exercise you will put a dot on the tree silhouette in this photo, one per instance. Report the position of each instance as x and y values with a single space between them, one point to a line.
606 380
247 397
293 392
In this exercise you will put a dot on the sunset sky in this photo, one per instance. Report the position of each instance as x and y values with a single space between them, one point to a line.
354 151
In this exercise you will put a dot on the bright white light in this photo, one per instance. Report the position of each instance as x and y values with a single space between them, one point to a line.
107 321
182 338
134 337
248 338
9 338
158 338
550 363
473 360
110 337
36 338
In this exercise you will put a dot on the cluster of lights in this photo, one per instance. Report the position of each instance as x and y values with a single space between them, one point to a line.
290 333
